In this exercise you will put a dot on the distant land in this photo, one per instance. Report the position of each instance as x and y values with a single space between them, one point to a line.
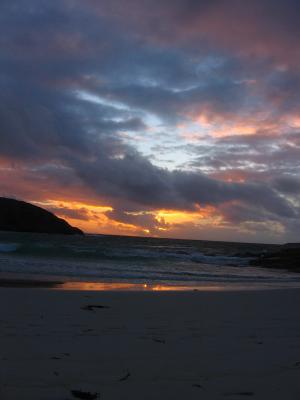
19 216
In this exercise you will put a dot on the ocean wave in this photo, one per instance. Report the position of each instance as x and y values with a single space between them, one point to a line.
133 259
139 273
97 252
8 247
220 260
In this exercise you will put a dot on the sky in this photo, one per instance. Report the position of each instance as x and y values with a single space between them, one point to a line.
167 118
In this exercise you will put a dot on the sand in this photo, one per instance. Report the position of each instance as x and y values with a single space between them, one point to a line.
149 345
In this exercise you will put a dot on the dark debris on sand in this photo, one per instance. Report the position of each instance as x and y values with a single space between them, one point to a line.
239 394
92 307
197 386
79 394
159 340
125 377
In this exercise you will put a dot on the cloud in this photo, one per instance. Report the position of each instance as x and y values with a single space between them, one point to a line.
78 214
288 184
85 87
262 28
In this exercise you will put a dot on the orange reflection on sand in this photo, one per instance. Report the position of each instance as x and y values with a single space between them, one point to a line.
99 286
117 286
165 288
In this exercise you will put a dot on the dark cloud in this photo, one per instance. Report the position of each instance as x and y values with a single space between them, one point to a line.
80 214
142 219
288 184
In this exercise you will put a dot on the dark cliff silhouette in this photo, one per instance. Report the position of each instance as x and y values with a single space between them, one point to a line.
19 216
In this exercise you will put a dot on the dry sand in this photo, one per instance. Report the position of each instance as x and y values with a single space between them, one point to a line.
149 345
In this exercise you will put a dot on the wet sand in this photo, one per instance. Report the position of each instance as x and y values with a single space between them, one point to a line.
149 345
27 283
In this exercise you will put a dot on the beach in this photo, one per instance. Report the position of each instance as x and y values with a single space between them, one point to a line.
149 344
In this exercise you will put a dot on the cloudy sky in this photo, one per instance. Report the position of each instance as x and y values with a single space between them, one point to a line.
172 118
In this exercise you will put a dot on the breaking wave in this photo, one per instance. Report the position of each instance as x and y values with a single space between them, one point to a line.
8 247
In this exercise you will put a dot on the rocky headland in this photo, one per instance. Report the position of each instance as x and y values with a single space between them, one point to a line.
19 216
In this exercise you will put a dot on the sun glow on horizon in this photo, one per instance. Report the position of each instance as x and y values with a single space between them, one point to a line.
93 218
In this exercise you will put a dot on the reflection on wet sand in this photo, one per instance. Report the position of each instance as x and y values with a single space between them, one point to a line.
112 286
9 280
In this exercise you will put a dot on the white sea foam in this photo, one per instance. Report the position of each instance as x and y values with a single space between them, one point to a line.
8 247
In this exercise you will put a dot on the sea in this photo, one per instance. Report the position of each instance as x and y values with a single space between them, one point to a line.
116 262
